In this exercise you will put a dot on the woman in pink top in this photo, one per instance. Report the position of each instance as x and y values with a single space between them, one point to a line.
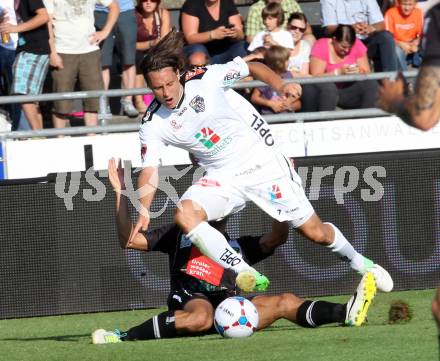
341 54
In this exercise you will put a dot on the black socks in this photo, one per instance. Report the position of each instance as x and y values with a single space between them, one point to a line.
160 326
317 313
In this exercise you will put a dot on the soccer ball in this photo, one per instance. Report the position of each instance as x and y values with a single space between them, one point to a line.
236 317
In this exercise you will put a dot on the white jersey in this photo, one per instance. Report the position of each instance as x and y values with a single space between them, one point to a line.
209 122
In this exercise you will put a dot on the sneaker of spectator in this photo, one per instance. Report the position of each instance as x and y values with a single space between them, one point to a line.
405 22
32 59
75 54
344 53
367 20
222 38
300 55
7 57
122 37
274 34
153 23
276 58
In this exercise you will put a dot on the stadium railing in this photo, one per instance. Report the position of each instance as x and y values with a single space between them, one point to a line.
103 96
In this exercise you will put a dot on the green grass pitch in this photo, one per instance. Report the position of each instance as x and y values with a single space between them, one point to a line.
68 338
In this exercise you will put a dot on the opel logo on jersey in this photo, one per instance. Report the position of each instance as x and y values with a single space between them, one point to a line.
198 104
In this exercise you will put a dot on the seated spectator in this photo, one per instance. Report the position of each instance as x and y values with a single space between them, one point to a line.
300 55
197 59
215 25
75 54
344 53
276 58
405 22
153 23
254 21
274 34
367 20
32 57
123 36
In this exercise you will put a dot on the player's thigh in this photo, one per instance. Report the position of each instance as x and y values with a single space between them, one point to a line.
216 200
198 316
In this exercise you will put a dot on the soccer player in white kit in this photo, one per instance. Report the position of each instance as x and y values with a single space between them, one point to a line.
236 148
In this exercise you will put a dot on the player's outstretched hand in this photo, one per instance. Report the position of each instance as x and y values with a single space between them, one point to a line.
116 174
390 93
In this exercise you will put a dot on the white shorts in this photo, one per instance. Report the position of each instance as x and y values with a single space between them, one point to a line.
275 188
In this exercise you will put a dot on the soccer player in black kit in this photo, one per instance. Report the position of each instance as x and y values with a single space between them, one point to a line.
198 284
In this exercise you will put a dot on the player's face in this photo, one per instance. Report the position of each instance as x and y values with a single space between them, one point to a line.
407 6
165 86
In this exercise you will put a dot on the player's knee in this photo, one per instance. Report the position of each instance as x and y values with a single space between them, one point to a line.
289 303
200 322
187 218
319 235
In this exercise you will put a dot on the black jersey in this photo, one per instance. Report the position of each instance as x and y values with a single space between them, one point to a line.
192 271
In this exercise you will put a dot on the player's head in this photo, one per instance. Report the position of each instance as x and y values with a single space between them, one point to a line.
406 6
161 67
343 40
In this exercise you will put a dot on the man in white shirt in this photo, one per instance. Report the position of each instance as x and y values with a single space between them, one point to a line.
238 153
75 53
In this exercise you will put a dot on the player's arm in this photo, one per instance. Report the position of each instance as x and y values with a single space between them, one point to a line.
421 109
262 72
124 223
256 249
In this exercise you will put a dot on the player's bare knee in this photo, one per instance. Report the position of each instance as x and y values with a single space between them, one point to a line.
289 303
200 322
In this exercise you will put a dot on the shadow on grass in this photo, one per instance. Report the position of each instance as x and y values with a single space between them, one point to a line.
64 338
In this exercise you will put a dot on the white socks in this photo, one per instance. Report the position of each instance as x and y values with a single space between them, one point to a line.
214 245
346 251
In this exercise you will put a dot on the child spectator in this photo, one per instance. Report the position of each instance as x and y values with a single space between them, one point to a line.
273 19
153 23
32 61
276 58
300 55
405 22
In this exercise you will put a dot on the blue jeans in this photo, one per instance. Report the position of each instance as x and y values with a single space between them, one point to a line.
7 57
382 50
403 59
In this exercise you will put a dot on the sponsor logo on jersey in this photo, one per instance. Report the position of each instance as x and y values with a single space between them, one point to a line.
249 171
179 114
204 182
207 137
154 106
275 192
231 77
175 125
198 104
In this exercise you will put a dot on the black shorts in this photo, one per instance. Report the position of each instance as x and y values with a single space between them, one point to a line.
178 298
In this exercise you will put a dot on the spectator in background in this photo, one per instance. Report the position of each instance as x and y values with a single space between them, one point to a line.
254 21
215 25
7 57
300 55
32 55
123 36
368 22
153 23
76 55
274 33
276 58
344 53
405 22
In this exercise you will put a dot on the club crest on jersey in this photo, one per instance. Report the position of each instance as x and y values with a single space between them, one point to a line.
207 137
198 104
